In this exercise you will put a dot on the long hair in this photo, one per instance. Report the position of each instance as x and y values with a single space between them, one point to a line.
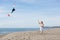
41 22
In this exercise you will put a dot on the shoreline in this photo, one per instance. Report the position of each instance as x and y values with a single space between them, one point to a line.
9 30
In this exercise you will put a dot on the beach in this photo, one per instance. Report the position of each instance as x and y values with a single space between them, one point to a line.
51 34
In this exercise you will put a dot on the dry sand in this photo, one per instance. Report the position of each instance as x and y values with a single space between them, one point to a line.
51 34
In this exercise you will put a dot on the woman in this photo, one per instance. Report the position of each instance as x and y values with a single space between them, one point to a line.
41 26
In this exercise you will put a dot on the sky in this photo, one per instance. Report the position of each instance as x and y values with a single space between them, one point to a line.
28 12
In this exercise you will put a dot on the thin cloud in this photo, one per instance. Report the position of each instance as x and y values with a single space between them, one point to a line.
1 11
28 1
53 21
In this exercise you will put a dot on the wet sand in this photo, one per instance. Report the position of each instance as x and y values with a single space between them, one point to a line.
51 34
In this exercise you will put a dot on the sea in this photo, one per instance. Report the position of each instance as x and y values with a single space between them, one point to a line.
9 30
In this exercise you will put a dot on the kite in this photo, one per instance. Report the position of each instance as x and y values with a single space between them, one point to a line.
12 11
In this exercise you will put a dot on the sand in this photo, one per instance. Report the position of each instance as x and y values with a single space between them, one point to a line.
51 34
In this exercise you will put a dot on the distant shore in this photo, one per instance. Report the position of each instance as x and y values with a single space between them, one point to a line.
51 34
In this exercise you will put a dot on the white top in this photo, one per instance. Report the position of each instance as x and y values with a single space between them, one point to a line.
41 24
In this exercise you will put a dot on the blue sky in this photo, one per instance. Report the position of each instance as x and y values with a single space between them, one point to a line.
28 12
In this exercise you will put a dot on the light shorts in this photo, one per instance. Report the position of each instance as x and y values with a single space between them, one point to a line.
41 29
